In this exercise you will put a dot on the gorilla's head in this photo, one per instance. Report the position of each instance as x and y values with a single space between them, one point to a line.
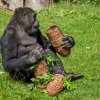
26 17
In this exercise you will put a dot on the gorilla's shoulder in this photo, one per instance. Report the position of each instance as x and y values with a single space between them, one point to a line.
10 31
9 34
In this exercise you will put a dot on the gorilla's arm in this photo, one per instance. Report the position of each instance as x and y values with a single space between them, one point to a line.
9 53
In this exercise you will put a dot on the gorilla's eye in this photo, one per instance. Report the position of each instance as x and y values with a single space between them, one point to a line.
23 15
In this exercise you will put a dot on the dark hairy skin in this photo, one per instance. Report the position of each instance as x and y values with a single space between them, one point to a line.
23 45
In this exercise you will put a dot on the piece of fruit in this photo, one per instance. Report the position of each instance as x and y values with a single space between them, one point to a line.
56 37
56 85
41 69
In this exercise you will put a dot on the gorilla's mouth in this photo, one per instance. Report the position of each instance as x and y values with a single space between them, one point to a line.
34 29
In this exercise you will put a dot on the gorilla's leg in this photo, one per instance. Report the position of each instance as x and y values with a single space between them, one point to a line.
23 76
58 67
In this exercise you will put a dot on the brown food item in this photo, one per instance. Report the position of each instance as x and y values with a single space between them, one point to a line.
55 86
56 38
41 69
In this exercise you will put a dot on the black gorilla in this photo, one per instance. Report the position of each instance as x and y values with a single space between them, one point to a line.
23 45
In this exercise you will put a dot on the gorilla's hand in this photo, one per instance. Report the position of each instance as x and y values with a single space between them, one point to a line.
68 42
36 54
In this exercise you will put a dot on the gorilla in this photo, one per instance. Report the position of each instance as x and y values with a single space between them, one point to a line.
23 45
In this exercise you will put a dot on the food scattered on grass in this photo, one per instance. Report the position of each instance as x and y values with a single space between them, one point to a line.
53 83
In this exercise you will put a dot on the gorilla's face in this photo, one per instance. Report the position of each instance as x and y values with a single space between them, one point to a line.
27 18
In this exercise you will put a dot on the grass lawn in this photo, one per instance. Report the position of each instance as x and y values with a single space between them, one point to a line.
83 23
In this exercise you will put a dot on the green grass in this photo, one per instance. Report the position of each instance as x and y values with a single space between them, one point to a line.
83 23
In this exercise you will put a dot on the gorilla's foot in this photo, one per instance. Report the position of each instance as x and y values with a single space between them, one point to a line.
74 76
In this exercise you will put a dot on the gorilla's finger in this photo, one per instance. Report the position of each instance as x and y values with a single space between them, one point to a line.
31 53
42 52
66 45
65 42
65 38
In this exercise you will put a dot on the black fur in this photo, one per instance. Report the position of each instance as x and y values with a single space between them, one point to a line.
23 45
